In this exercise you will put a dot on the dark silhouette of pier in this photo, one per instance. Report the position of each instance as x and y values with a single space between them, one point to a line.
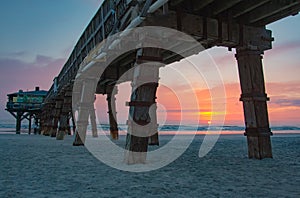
26 105
239 24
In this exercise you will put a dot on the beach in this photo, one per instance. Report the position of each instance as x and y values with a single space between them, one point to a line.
39 166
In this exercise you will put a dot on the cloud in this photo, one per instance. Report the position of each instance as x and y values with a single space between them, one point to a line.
286 88
284 106
281 94
286 102
17 74
43 61
14 67
22 56
8 64
18 54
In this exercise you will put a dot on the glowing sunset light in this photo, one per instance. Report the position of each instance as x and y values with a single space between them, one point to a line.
209 113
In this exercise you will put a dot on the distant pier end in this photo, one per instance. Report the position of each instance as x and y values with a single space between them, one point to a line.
26 105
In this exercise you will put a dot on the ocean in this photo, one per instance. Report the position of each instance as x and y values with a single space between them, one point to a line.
8 126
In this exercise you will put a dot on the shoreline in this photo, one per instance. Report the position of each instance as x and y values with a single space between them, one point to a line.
187 132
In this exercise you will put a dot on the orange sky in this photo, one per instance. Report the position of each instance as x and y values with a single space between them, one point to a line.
184 93
283 107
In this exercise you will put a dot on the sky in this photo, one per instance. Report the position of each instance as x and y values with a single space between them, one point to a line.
37 36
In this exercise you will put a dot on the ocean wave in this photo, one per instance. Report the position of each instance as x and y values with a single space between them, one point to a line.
123 127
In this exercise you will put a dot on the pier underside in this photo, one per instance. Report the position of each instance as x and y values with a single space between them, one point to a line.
233 24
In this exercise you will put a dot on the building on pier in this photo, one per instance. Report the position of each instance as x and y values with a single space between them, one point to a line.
26 105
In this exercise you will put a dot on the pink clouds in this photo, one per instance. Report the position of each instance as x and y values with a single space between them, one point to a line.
18 74
284 105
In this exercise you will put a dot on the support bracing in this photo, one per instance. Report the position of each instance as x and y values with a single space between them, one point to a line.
143 98
64 117
18 122
42 124
68 126
48 125
63 122
86 103
56 117
54 127
73 122
153 140
93 121
254 100
36 126
29 124
41 127
111 101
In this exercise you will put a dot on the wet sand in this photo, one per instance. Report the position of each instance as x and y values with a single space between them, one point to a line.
39 166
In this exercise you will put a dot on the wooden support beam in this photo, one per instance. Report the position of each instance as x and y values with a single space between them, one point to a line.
198 5
86 102
63 124
254 101
12 113
56 115
246 7
64 117
25 116
48 125
140 121
154 139
18 122
93 121
29 124
289 11
267 10
176 2
42 121
54 127
73 122
36 125
112 114
68 131
221 6
211 32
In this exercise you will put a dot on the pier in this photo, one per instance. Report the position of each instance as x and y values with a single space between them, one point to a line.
26 105
235 24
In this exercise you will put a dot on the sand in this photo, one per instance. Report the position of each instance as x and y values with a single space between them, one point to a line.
38 166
